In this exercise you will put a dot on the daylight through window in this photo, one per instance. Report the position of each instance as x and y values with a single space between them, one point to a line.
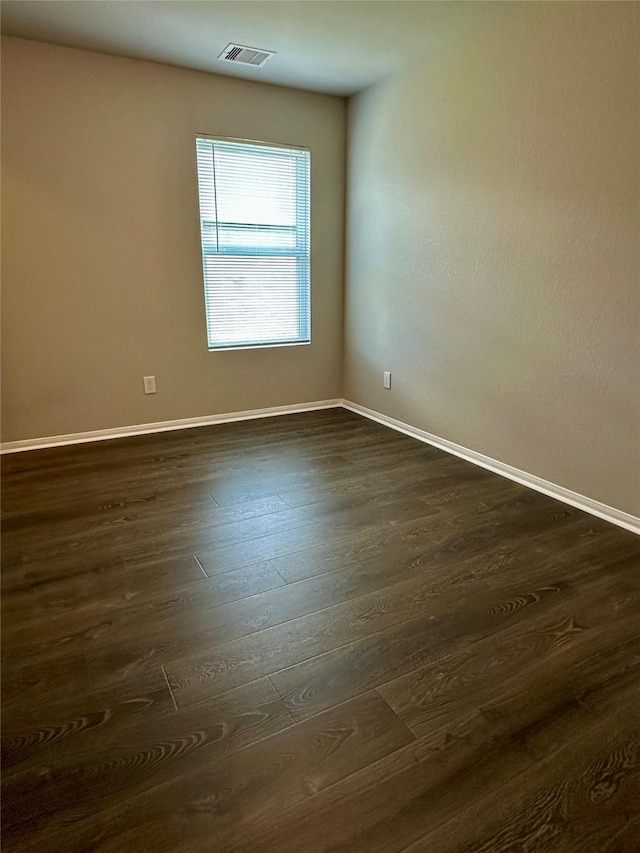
254 225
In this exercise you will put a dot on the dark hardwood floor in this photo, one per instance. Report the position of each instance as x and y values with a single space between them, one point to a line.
306 634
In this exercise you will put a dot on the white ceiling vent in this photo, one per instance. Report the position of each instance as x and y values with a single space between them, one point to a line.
246 55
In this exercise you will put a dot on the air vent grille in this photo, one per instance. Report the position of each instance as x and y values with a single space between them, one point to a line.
244 55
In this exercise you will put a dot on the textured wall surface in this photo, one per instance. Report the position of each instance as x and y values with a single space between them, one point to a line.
493 251
101 267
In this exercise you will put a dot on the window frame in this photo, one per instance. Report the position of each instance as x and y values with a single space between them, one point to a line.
303 217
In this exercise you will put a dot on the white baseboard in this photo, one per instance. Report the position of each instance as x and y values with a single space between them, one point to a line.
162 426
608 513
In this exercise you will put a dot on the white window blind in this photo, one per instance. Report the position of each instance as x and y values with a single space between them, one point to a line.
254 225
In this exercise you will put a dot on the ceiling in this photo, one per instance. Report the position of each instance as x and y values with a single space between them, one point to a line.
333 46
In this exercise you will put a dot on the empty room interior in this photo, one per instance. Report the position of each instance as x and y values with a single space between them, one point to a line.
320 426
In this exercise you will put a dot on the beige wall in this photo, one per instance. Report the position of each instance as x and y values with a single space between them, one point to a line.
102 281
493 254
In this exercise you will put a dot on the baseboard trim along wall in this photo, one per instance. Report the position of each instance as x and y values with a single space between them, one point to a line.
162 426
608 513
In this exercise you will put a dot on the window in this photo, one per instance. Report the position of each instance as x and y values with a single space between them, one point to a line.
254 225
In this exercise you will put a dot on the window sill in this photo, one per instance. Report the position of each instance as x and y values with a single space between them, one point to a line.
259 346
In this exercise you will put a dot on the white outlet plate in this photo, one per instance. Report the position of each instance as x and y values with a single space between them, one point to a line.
149 384
386 379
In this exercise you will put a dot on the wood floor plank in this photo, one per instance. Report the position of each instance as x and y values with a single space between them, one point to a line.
34 575
598 545
31 734
249 487
398 608
87 587
386 807
341 526
92 777
118 620
588 638
278 772
403 478
439 539
319 682
310 633
21 681
585 797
